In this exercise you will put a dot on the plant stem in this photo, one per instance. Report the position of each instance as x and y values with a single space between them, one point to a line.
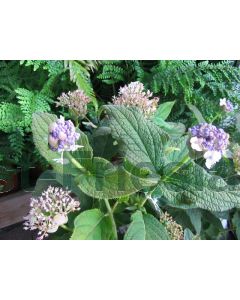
90 122
66 228
110 213
176 168
75 162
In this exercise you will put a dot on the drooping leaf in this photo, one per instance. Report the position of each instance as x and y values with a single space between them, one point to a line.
91 225
195 216
143 139
197 113
103 180
164 110
175 130
145 227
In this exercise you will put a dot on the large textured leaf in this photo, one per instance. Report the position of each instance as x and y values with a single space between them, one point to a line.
145 227
40 124
106 181
92 225
193 187
143 139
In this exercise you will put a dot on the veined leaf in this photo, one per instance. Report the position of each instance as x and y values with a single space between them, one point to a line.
193 187
92 225
143 139
145 227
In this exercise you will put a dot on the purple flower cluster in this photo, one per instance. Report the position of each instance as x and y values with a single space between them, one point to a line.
210 140
62 136
226 105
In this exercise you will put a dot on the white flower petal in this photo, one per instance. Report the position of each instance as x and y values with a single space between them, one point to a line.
211 158
196 143
60 219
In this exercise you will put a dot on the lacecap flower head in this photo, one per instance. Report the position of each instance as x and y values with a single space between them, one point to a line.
133 95
49 211
209 140
226 105
63 136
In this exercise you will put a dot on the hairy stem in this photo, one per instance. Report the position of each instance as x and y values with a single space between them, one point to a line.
75 162
110 213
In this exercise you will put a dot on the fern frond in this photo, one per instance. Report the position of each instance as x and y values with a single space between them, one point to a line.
11 117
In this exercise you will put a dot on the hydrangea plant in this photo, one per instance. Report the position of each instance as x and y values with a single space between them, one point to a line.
134 176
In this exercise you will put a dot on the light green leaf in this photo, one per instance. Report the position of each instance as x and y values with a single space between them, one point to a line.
145 227
136 230
91 225
164 110
194 187
143 139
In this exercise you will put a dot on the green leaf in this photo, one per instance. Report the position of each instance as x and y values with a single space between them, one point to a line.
91 225
143 139
194 187
145 227
164 110
103 180
197 113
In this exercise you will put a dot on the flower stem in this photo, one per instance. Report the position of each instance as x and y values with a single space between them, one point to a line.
75 162
110 213
66 228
